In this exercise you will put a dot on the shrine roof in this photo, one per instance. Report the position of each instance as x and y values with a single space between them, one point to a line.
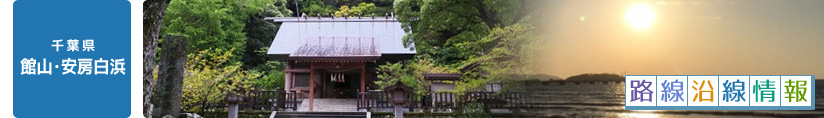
306 38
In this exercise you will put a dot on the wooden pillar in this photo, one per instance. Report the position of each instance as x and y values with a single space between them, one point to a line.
311 85
287 85
363 77
363 83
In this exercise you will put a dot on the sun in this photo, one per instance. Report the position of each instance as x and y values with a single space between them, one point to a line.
640 16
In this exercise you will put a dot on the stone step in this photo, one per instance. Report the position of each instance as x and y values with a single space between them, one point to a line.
321 115
330 105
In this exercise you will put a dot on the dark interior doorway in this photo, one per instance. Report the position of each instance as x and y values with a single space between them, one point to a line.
347 88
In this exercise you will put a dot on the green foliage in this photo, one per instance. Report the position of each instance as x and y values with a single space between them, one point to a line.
209 80
391 73
514 49
434 27
411 76
351 7
276 9
207 23
474 110
259 33
225 34
343 10
512 58
440 29
364 9
472 84
494 36
314 7
217 24
275 79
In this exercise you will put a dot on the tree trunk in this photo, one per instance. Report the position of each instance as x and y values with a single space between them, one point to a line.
153 12
168 96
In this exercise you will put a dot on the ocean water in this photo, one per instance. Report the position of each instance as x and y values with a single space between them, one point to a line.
600 99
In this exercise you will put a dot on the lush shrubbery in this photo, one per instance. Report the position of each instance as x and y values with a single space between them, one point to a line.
273 80
363 9
350 7
411 75
228 40
495 49
210 78
474 110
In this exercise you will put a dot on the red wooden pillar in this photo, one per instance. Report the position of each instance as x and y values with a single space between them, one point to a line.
363 82
311 85
363 77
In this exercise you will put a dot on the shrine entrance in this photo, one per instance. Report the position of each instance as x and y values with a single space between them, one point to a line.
328 58
340 84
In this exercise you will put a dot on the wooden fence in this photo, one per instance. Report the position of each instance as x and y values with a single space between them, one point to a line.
445 101
265 100
379 99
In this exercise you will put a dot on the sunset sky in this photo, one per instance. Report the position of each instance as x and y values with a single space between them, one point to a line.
678 37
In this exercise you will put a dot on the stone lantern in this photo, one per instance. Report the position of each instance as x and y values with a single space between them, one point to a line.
399 95
233 100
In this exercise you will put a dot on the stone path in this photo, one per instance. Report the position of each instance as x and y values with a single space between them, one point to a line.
330 105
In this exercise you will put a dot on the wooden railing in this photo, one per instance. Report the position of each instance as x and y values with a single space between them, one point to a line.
445 101
379 99
265 100
288 101
442 101
259 100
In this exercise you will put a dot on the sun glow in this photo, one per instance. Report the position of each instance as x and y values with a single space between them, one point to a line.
640 16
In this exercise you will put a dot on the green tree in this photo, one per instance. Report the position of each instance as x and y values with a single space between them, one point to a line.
492 36
364 9
343 10
513 58
210 79
274 80
353 7
217 24
411 76
314 7
274 76
259 34
278 8
437 27
229 40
